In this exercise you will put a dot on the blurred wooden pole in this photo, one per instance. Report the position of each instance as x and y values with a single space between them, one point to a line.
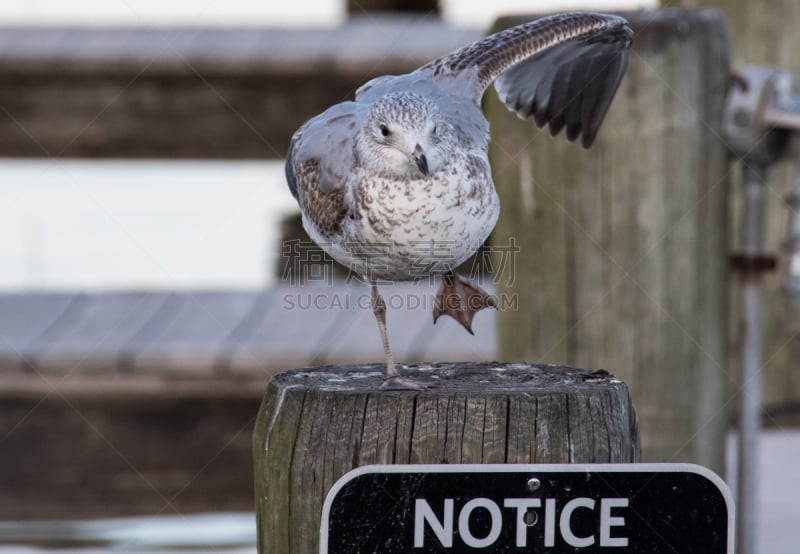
317 424
766 33
623 259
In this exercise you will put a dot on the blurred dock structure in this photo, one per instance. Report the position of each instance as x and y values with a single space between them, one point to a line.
192 92
159 391
242 336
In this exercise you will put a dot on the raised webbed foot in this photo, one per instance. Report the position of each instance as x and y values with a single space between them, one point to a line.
461 299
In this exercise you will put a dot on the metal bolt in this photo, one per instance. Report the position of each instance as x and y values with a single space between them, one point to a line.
534 484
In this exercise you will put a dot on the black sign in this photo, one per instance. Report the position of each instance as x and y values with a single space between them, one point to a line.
459 509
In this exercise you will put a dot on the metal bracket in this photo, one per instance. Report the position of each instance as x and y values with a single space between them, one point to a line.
761 120
761 124
750 135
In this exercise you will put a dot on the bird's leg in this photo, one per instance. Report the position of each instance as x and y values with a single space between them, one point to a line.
393 379
461 299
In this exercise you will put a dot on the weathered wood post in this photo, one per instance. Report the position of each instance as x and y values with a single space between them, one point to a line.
317 424
623 248
769 37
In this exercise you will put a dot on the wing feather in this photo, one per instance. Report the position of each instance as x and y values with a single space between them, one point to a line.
573 82
328 139
320 161
563 70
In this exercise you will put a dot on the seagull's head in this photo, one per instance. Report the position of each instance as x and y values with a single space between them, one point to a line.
404 136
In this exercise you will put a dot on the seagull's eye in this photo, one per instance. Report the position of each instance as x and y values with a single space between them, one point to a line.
385 130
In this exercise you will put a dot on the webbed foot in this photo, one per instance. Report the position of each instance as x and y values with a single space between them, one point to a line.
461 299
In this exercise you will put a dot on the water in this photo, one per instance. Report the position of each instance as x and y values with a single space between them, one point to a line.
114 224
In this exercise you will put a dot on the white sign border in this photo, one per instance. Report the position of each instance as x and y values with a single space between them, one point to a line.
528 468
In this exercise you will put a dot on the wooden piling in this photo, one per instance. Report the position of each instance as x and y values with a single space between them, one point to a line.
316 424
769 37
623 248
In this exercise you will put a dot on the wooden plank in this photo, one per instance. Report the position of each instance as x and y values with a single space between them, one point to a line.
315 425
158 454
618 266
151 330
287 336
158 117
242 334
24 318
188 345
192 93
93 340
181 51
265 302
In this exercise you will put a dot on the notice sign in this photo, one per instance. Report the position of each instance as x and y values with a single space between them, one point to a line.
460 509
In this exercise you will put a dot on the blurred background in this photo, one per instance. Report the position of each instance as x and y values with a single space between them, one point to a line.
146 285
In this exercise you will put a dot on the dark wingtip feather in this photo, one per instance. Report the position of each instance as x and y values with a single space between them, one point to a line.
587 139
557 123
608 88
573 131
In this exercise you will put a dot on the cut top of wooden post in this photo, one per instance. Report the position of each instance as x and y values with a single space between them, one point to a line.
447 379
317 424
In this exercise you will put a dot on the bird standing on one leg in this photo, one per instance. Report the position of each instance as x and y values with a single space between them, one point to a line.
404 167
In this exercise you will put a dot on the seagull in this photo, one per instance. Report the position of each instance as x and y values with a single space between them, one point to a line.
396 185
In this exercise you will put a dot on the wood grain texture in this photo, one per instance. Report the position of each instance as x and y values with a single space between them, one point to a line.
316 424
768 37
623 259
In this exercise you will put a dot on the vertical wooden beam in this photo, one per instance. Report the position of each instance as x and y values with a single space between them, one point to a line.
623 259
767 34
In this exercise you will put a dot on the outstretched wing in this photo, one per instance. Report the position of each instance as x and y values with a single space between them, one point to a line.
563 70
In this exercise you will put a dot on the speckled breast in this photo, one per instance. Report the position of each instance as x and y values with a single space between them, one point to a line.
408 230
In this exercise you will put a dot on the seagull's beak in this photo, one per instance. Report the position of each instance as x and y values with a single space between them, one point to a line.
419 158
